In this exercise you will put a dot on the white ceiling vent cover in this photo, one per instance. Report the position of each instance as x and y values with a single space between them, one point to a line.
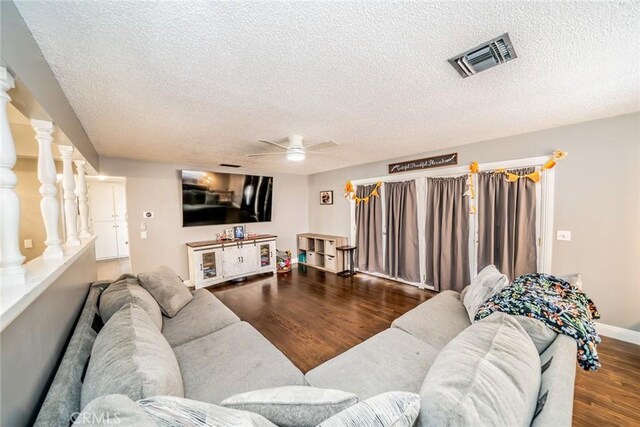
485 56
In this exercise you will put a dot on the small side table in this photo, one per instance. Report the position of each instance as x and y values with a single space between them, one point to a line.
351 250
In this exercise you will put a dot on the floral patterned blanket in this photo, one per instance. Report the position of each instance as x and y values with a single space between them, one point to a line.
560 306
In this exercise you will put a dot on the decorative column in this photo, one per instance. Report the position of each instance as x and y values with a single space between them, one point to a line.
11 258
68 187
83 206
49 206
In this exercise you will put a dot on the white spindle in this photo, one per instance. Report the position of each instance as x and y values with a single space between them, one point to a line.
49 206
81 191
68 187
11 258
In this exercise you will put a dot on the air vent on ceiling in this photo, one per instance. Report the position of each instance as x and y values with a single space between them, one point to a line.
227 165
487 55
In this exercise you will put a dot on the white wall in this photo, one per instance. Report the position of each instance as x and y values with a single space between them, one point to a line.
597 199
156 187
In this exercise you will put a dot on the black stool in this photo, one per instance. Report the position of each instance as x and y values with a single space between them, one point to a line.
351 271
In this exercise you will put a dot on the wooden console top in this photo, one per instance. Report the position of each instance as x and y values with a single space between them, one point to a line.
234 241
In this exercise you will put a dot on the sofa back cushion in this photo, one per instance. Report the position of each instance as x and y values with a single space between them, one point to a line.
130 356
127 290
483 286
488 375
167 288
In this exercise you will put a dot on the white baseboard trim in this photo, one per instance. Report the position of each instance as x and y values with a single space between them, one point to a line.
618 333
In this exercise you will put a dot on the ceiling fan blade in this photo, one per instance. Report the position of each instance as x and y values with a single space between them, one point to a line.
322 145
273 143
265 154
319 152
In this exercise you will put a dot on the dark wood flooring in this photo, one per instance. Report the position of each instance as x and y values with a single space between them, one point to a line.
312 316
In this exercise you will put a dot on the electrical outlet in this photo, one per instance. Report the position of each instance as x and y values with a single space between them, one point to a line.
563 235
143 234
28 244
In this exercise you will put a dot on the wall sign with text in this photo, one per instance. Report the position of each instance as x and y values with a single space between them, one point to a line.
429 162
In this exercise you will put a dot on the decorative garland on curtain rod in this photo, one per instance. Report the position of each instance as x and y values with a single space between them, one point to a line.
510 177
350 193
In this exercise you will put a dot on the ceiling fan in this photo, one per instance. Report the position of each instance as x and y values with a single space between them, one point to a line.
295 150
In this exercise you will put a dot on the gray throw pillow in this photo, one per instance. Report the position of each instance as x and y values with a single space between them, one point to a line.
167 288
126 289
483 286
130 356
488 375
541 335
293 406
391 409
173 411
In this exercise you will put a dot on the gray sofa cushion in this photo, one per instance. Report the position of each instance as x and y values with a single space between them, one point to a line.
392 409
167 288
482 287
541 335
437 320
203 315
389 361
126 289
130 356
488 375
231 361
293 406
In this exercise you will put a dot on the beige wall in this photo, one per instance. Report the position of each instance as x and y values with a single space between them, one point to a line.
597 198
31 225
156 187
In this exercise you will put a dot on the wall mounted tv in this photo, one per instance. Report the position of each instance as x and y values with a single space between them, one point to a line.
224 198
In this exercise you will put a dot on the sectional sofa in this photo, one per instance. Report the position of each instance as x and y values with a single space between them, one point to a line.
219 356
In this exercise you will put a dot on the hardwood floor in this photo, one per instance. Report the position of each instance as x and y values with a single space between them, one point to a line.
312 316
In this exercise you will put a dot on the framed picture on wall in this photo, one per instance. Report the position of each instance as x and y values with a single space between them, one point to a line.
326 197
238 232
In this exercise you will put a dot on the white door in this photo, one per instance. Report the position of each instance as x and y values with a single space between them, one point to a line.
209 267
232 264
119 202
122 238
101 201
106 242
249 258
266 256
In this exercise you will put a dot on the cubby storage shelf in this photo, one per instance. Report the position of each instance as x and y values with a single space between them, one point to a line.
319 251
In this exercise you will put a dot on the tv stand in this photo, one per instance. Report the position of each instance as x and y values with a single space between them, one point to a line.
216 261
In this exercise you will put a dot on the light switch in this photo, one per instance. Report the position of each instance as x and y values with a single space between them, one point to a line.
563 235
28 244
143 234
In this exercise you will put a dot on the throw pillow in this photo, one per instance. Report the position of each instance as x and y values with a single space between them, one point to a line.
574 280
483 286
293 406
488 375
167 288
130 356
127 290
174 411
391 409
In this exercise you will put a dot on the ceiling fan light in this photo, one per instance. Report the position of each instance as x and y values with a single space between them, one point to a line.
295 155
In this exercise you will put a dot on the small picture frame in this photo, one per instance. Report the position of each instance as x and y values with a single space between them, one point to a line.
238 232
229 233
326 197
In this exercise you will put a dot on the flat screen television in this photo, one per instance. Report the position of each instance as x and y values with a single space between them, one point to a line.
210 198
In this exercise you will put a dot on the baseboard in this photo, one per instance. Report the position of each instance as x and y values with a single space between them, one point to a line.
618 333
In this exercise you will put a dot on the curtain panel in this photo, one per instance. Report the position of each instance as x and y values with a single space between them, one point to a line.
368 254
507 223
402 231
447 234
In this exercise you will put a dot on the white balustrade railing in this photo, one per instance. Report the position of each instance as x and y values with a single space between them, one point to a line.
83 206
68 188
49 206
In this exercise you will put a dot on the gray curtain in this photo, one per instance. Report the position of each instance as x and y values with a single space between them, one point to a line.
368 254
402 231
507 223
447 233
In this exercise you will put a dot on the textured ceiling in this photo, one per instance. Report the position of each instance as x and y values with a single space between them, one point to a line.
201 82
